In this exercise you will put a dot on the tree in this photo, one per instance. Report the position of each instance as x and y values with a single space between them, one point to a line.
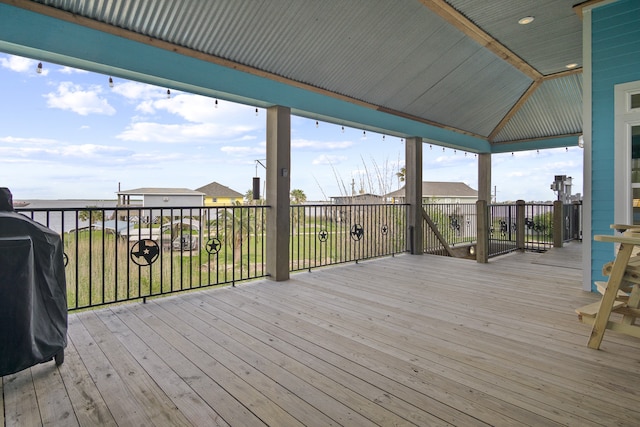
298 197
401 174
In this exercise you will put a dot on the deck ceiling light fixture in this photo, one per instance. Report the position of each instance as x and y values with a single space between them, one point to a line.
526 20
571 66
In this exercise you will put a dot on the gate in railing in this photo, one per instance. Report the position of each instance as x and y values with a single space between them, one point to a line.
535 227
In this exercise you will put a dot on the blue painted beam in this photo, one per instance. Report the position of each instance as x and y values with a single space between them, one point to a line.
536 144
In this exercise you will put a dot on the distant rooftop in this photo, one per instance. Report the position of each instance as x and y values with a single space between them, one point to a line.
440 189
216 189
161 191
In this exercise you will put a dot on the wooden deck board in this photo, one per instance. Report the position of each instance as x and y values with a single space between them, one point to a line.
397 341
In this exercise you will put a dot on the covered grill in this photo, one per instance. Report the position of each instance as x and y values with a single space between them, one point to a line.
33 303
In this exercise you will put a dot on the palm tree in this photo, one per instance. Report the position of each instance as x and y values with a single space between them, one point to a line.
401 174
298 197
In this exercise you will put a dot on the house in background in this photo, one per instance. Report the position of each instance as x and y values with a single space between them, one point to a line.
216 194
440 192
358 199
160 197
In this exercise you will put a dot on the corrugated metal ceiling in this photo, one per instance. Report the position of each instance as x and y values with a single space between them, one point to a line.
399 56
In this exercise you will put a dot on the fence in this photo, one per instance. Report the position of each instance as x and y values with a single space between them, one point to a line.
332 234
456 224
530 226
119 254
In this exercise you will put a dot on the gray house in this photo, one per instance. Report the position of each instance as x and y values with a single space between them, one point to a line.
441 192
160 197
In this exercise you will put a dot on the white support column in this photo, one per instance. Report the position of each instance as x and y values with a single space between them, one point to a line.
413 195
277 192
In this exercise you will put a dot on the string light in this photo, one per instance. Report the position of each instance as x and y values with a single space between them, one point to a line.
512 155
110 82
537 151
342 129
256 112
317 124
566 149
364 133
443 149
168 93
216 104
382 138
430 147
465 154
455 151
39 68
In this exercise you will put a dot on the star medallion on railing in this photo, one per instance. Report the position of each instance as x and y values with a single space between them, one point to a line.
357 232
145 252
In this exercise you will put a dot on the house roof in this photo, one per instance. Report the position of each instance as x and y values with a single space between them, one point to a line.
161 192
459 73
440 189
215 189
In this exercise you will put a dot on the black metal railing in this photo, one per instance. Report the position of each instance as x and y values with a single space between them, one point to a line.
572 220
456 223
119 254
537 228
332 234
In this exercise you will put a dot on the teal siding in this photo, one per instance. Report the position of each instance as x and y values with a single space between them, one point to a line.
615 49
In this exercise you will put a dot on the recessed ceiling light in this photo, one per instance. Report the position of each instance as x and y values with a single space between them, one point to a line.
572 65
526 20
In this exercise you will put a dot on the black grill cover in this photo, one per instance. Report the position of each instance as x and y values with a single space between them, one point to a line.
33 302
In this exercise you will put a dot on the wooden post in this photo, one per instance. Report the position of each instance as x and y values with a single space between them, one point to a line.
277 192
558 223
484 177
520 227
482 207
413 195
482 238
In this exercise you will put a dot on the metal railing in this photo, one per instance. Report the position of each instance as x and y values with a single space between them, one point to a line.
536 228
572 219
119 254
332 234
455 222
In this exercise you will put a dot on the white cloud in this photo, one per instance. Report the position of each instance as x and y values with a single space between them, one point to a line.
18 140
243 151
70 70
74 98
137 91
21 65
320 145
326 159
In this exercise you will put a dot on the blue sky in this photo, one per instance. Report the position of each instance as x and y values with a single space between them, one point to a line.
66 134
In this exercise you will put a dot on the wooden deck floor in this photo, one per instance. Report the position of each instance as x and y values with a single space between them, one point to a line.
397 341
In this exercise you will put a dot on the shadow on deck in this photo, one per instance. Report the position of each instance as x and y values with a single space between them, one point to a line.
410 340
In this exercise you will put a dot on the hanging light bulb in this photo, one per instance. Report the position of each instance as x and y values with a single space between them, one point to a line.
39 68
364 133
537 151
216 104
465 154
566 149
317 124
382 138
512 154
455 151
110 82
430 147
443 149
342 129
256 112
168 93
